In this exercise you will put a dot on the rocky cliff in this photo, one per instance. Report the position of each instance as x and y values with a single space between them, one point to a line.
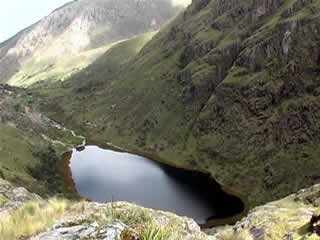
229 86
54 43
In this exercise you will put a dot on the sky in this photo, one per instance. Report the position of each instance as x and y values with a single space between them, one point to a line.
16 15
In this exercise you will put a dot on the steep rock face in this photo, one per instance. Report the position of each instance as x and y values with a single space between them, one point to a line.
264 114
229 86
77 27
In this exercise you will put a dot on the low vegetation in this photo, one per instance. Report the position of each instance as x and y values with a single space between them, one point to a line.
30 145
132 217
294 217
53 71
155 232
35 217
48 171
38 216
231 235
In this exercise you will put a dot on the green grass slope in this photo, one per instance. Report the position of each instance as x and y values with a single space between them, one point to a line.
230 87
46 68
30 146
62 101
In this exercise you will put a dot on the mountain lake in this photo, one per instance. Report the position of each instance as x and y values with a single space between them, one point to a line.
104 175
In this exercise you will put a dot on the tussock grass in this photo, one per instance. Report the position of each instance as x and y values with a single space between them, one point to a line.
143 222
231 235
131 217
154 232
35 217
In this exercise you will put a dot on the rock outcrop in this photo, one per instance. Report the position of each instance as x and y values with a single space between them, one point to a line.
75 228
292 217
12 197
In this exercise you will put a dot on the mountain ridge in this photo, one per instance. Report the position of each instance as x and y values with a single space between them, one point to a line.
230 87
73 29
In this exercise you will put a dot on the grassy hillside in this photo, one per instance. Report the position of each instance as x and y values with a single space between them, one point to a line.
30 145
230 87
46 68
88 83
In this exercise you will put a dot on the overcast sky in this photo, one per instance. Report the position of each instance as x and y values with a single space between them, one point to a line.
16 15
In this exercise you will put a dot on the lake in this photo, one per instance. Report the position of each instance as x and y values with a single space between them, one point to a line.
105 175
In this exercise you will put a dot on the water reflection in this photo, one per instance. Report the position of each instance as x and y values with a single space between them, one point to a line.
105 175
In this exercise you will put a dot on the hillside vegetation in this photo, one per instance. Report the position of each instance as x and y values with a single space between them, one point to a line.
30 144
228 86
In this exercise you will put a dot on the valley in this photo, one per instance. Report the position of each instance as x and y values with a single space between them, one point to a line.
228 89
229 101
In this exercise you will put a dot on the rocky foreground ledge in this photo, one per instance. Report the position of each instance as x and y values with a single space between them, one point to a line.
12 197
294 217
24 215
27 216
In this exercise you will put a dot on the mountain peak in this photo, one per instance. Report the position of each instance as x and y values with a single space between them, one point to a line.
77 27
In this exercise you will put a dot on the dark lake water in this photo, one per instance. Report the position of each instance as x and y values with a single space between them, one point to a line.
105 175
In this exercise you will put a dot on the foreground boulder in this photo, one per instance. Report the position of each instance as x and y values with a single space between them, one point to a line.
79 228
12 197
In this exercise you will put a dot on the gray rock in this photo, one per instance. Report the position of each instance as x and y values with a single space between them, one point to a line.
4 188
258 233
14 197
191 226
69 222
79 228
